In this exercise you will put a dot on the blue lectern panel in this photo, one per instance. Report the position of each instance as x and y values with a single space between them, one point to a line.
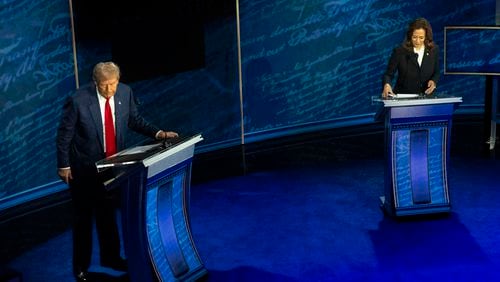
437 164
154 237
171 246
181 220
419 140
402 185
419 179
168 227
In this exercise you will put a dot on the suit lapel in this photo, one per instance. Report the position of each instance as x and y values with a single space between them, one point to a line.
118 119
413 59
95 113
426 59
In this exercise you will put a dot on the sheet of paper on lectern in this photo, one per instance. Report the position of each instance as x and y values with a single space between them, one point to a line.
138 149
404 96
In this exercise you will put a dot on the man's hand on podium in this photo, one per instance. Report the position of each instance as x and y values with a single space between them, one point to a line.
166 134
387 91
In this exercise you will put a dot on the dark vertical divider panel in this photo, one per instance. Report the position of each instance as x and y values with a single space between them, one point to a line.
36 75
146 38
307 62
205 99
152 38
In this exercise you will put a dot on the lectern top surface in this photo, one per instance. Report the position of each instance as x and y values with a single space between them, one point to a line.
139 153
401 100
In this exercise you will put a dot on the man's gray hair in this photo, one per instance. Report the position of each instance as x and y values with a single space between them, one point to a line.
105 70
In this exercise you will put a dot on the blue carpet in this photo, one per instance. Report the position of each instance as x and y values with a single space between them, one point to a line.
322 222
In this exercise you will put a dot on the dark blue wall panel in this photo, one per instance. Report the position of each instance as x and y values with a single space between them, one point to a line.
36 75
201 101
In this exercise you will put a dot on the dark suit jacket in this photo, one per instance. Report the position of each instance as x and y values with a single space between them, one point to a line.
412 78
80 133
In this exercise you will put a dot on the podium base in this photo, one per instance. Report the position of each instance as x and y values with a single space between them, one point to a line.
413 210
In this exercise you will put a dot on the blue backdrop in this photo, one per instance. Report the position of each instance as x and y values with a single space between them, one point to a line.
472 50
306 65
36 74
307 62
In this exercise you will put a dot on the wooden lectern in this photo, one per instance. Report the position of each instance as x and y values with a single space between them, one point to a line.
155 182
417 136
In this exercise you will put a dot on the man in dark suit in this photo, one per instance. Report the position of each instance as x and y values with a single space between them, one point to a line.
93 126
416 62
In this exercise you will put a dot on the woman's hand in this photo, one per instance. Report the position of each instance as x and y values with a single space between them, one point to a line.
387 90
431 86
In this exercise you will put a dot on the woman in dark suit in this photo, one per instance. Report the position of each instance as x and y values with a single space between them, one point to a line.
416 61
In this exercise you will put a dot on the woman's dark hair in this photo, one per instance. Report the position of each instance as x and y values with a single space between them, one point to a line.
419 23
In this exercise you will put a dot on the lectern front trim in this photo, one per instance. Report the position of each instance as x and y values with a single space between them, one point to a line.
181 147
416 102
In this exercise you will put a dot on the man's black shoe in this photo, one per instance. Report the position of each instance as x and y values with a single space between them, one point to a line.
119 264
82 276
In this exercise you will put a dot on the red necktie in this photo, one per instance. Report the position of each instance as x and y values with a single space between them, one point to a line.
109 130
